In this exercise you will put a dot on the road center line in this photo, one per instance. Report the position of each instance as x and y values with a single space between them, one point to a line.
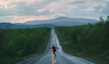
52 59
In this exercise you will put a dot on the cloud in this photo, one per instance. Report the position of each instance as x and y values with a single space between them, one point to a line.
33 1
100 10
58 15
88 9
96 4
51 10
41 10
105 10
9 3
44 17
24 20
17 10
54 5
59 7
37 1
1 7
77 2
4 4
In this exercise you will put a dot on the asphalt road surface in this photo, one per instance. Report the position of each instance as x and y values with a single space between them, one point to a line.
61 58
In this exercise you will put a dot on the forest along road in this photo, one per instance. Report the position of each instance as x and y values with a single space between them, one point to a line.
61 58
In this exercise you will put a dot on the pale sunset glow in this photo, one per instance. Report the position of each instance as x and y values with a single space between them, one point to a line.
24 20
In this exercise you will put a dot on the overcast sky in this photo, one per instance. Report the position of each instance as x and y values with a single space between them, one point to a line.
19 11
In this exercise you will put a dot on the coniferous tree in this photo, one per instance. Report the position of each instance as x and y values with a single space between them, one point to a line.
101 20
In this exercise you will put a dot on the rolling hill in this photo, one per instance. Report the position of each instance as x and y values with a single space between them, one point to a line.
61 21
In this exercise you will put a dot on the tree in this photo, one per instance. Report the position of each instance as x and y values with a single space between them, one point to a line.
101 20
108 18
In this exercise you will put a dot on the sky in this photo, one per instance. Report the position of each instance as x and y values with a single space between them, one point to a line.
20 11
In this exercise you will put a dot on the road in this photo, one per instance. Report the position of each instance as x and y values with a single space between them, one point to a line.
61 58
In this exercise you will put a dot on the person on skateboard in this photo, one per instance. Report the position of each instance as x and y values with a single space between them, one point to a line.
54 50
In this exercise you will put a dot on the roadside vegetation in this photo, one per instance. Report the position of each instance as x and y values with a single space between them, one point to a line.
19 44
88 41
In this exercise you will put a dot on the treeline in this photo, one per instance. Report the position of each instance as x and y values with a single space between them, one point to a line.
18 43
89 41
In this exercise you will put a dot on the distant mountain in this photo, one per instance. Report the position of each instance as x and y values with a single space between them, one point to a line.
6 25
15 26
61 21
